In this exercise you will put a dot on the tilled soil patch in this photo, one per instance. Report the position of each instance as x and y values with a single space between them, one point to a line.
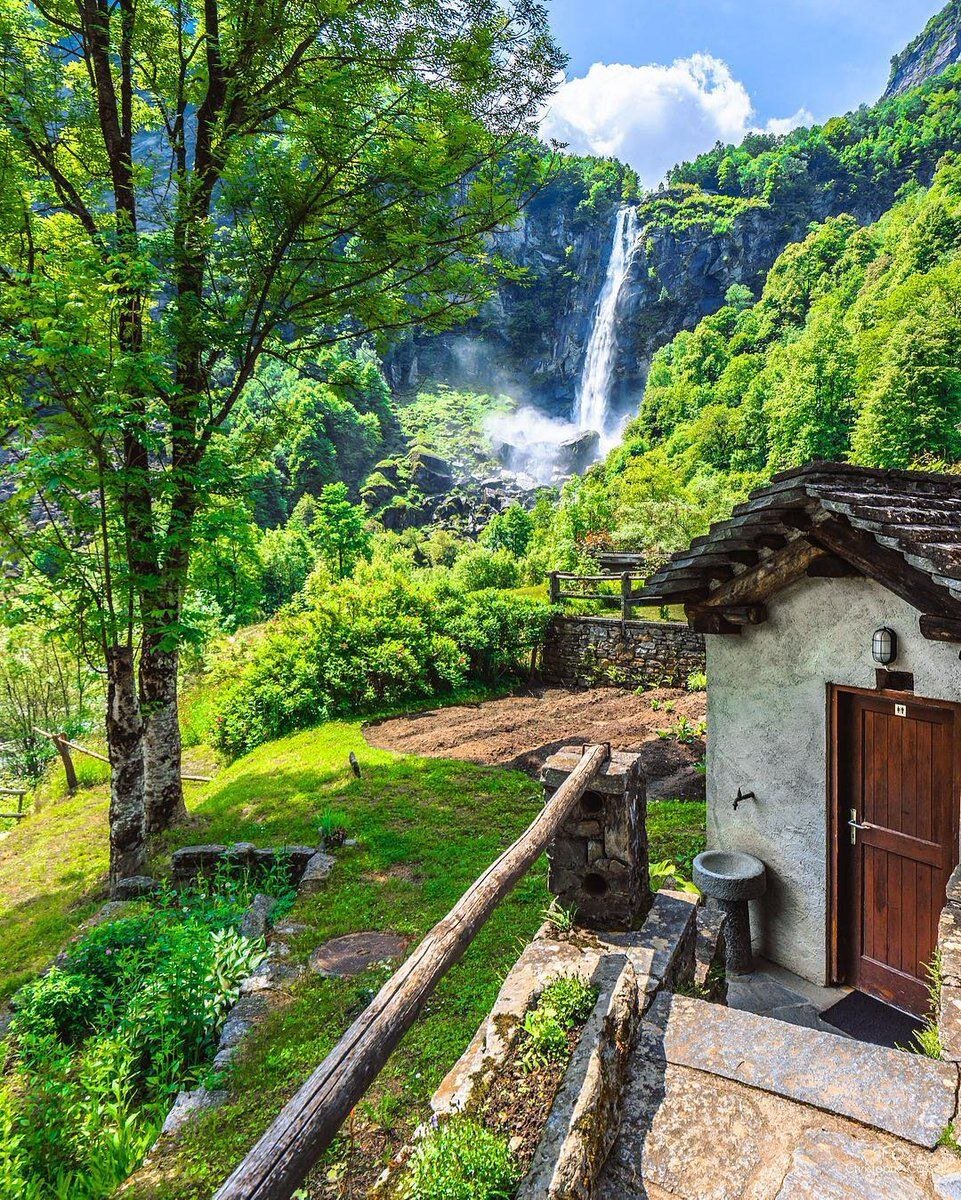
522 730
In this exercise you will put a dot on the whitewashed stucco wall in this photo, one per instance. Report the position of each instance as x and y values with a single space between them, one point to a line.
767 733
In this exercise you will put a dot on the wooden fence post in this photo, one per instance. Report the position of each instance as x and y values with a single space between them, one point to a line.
625 596
555 587
63 749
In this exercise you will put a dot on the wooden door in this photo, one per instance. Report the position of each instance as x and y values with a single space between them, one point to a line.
897 839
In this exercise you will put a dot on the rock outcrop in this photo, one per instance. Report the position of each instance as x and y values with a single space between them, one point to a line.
935 48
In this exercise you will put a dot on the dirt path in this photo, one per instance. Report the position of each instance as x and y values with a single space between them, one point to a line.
520 731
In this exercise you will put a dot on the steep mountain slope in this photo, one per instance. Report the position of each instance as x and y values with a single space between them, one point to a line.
851 353
529 340
935 48
721 220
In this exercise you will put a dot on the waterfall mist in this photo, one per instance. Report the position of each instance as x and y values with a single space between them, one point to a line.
591 409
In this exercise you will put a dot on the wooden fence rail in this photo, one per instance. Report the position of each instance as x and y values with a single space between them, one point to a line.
20 794
278 1164
64 746
625 598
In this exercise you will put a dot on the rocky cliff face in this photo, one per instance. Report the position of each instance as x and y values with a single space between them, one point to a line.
678 277
932 51
529 339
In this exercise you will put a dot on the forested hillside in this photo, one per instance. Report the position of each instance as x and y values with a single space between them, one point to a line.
852 352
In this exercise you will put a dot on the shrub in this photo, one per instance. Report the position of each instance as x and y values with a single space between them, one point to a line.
479 568
57 1004
385 637
461 1160
100 1046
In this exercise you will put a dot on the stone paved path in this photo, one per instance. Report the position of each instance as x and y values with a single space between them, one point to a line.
724 1105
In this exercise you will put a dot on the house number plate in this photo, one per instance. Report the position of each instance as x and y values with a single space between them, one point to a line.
900 710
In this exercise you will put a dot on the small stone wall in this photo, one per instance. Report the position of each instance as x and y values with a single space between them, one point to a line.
589 651
949 950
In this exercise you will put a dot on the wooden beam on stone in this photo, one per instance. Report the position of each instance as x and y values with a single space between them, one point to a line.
277 1166
744 614
769 577
702 620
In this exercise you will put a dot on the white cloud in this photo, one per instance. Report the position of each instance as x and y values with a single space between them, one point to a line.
781 125
655 116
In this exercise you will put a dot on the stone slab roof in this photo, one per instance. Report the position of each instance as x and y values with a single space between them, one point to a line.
901 528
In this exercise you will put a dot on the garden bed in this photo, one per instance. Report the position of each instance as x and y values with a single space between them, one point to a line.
495 1133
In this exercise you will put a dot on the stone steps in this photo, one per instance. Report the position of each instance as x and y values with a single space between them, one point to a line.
725 1105
907 1095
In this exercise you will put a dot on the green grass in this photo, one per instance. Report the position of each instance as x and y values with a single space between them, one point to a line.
425 829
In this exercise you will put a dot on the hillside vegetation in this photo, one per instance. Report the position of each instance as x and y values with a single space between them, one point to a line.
851 353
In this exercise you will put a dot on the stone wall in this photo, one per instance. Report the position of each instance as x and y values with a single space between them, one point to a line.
949 949
587 651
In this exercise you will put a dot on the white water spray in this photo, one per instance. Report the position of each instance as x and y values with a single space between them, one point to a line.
590 410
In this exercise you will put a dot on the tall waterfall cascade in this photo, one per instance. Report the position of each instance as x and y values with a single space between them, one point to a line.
591 406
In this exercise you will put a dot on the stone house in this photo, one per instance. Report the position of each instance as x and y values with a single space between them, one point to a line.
830 602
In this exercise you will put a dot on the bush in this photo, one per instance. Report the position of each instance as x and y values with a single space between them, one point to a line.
57 1004
387 636
101 1046
478 569
461 1160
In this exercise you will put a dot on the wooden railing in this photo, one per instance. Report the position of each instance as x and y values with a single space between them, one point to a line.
625 598
20 794
308 1123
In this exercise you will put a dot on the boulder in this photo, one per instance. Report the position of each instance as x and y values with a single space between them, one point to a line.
574 455
134 887
430 473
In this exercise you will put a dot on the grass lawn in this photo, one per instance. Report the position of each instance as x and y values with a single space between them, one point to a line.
425 829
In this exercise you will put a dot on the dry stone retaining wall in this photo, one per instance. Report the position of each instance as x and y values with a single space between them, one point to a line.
589 651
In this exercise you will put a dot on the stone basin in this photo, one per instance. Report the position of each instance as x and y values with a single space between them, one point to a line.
729 875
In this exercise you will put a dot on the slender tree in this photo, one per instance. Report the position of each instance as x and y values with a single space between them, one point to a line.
187 186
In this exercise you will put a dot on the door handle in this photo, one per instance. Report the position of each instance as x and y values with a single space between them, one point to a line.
855 825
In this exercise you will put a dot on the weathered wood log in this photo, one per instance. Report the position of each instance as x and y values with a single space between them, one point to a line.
308 1123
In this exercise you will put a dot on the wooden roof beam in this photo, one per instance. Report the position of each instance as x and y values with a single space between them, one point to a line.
884 565
940 629
769 577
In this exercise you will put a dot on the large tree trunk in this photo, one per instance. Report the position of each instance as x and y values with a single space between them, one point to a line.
164 793
128 840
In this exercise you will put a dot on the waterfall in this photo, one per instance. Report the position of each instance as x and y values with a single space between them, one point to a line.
590 410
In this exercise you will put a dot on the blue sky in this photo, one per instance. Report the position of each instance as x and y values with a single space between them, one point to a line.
695 70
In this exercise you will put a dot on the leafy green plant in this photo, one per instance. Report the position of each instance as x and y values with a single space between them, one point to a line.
59 1004
559 915
570 998
684 730
697 681
565 1003
666 874
101 1045
927 1040
461 1160
545 1041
